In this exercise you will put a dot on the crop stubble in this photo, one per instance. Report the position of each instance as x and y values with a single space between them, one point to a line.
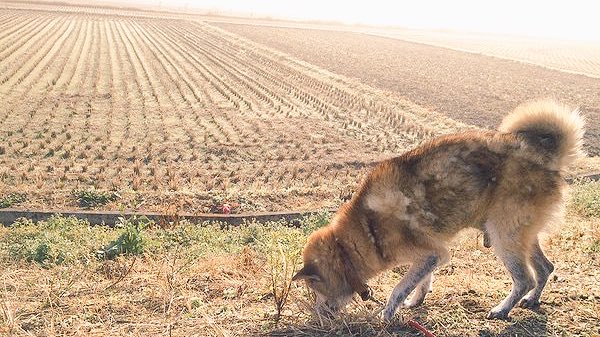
168 110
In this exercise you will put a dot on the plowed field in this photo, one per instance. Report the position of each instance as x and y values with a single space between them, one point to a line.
469 87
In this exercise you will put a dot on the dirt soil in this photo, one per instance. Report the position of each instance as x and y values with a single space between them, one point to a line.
468 87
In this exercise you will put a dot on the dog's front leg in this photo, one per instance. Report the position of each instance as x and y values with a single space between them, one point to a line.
417 272
420 292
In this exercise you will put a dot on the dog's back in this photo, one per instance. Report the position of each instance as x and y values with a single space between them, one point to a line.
458 180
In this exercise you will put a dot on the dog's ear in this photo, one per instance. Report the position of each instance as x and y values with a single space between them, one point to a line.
308 272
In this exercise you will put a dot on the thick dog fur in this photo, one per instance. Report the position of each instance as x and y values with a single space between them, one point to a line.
507 183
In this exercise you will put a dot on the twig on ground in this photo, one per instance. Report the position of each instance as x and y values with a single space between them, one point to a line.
122 276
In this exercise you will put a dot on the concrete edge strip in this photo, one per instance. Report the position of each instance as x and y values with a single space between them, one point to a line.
9 215
108 218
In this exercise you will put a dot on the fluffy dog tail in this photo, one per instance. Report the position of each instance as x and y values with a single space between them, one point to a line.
553 129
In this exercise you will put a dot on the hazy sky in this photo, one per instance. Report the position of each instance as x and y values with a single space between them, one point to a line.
574 19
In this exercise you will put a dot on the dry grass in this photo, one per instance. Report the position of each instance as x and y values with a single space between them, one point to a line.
207 281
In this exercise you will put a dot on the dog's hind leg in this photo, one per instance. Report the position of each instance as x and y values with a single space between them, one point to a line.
418 296
417 273
543 268
514 257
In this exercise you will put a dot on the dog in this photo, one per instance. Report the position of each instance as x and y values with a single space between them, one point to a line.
508 183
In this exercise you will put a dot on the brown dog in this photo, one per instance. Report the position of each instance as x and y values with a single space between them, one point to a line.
506 182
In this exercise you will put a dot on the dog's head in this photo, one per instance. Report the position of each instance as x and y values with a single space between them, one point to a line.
328 272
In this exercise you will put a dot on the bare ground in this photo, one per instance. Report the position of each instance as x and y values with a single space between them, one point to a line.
468 87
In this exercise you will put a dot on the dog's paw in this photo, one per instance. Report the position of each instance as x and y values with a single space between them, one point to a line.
529 303
387 315
498 314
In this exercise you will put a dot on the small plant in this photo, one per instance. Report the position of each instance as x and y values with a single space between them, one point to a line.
594 247
312 222
585 198
283 248
55 241
92 198
43 254
283 266
12 199
131 242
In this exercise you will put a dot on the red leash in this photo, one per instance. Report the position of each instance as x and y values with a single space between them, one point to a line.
415 325
411 322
